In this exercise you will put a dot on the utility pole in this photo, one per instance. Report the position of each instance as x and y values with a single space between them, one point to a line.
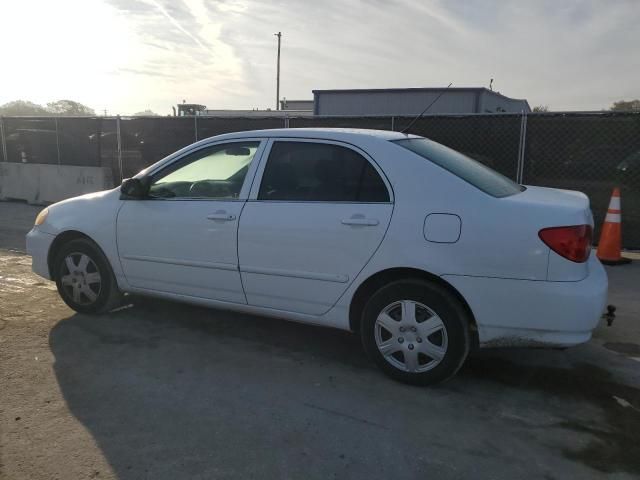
279 35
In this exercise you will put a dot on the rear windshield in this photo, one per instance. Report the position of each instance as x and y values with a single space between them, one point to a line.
471 171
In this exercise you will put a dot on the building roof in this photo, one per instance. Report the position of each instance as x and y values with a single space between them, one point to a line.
409 89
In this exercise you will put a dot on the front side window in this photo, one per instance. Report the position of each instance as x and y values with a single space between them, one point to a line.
213 172
469 170
320 172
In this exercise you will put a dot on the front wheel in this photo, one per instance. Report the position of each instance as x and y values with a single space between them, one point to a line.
416 331
84 278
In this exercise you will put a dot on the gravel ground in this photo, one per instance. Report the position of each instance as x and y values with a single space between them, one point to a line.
162 390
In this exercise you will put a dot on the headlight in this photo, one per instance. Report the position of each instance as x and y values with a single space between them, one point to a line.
42 216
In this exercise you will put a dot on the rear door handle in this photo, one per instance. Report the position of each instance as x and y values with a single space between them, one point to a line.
224 216
360 220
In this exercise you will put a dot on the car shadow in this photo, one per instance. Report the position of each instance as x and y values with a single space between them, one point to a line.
176 391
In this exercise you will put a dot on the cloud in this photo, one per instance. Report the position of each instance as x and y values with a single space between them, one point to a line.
177 24
149 72
571 55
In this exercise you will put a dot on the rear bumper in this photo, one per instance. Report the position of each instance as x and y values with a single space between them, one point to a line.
38 244
535 313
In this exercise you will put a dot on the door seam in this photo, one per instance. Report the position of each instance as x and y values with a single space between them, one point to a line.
244 292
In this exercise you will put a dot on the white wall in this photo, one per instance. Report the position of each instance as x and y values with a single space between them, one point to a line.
44 184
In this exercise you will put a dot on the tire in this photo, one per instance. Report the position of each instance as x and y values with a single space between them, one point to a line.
425 347
85 279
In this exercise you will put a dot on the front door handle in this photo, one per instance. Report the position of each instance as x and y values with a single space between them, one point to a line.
224 216
360 220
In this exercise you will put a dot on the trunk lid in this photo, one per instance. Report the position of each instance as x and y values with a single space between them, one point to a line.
554 207
551 207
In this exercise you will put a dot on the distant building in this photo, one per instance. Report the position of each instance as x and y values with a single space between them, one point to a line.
288 108
190 109
297 105
379 101
257 113
300 108
412 101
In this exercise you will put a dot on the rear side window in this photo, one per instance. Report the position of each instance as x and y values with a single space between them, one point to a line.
471 171
320 172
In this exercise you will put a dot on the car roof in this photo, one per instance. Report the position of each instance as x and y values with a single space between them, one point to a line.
344 134
353 136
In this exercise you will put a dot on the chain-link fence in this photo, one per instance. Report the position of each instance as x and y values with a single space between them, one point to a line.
589 152
592 153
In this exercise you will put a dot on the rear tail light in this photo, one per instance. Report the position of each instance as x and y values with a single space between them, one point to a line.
573 243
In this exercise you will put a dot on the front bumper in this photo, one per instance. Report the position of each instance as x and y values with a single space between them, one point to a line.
38 244
535 313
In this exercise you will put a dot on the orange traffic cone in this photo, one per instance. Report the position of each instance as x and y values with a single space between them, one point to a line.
610 244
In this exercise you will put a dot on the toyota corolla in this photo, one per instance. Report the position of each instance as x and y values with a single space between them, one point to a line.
420 250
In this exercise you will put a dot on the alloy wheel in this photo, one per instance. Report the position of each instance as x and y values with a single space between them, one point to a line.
81 278
411 336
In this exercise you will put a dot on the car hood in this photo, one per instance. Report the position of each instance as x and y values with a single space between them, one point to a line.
88 198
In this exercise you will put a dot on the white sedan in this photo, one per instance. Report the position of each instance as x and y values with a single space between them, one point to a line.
422 251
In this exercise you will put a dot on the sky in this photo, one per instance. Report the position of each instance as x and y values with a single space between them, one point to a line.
126 56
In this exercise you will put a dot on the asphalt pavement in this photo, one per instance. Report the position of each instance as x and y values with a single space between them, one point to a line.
164 390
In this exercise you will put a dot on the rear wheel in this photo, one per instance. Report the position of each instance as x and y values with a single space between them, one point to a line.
416 331
84 278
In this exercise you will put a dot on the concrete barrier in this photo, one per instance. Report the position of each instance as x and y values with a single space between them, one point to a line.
42 184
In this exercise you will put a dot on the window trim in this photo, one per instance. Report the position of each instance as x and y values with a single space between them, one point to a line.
246 184
257 181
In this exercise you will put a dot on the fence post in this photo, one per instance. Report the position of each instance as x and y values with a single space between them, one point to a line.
521 148
119 147
57 140
195 126
393 123
4 142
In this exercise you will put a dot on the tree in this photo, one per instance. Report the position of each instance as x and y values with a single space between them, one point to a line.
626 106
541 108
22 107
69 108
146 113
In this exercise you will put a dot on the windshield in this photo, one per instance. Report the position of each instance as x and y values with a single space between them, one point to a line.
471 171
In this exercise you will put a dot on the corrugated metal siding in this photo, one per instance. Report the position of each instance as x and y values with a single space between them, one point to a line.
492 102
297 105
413 101
393 103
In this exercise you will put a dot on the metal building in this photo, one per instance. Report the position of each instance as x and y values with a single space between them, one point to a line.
298 105
190 109
412 101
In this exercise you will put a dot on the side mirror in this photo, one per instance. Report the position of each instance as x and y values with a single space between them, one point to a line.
134 188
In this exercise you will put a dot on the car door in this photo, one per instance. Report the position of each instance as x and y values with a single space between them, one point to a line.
317 215
182 238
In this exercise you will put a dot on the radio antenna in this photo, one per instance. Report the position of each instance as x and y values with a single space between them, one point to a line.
404 130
